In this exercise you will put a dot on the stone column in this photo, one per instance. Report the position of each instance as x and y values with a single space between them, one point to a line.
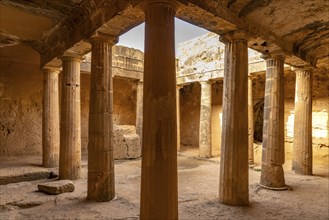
70 130
250 124
159 199
139 111
50 118
272 175
233 181
205 120
302 147
100 150
178 115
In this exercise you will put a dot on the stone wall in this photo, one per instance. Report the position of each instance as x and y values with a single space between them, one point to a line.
21 101
20 109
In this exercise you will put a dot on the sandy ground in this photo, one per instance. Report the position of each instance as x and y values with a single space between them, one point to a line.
198 193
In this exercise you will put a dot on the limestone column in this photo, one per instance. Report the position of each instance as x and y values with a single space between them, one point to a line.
50 118
70 127
139 111
233 181
250 124
205 120
178 115
272 175
159 199
100 150
302 146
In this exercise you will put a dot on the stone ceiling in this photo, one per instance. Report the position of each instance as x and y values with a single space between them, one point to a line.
51 27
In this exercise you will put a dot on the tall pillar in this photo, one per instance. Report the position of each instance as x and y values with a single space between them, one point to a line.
139 111
70 129
50 118
302 146
100 150
178 115
205 120
272 175
159 199
233 181
250 124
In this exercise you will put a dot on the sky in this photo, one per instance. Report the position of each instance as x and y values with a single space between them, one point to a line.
183 31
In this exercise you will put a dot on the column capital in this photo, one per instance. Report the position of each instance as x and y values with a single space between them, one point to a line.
232 36
179 86
303 69
102 37
206 82
174 3
52 69
278 54
72 56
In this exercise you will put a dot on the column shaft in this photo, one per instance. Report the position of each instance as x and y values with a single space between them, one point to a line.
159 199
50 119
250 124
70 130
139 111
205 120
233 182
100 149
302 147
178 117
272 175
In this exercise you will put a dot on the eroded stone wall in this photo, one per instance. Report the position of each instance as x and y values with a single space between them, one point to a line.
20 109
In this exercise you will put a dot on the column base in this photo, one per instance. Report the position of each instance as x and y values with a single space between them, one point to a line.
286 187
272 176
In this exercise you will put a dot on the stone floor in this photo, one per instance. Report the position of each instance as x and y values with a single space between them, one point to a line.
198 190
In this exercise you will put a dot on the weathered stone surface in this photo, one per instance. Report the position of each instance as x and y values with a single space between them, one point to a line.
273 157
101 184
126 143
233 181
205 120
159 189
70 127
56 187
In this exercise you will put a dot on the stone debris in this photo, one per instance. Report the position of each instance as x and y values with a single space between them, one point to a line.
126 143
56 187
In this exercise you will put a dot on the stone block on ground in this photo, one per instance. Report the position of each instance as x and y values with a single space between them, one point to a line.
126 144
56 187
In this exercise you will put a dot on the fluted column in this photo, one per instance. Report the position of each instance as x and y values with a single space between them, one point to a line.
178 116
302 146
70 129
272 174
139 111
250 124
50 118
205 120
159 199
100 150
233 181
